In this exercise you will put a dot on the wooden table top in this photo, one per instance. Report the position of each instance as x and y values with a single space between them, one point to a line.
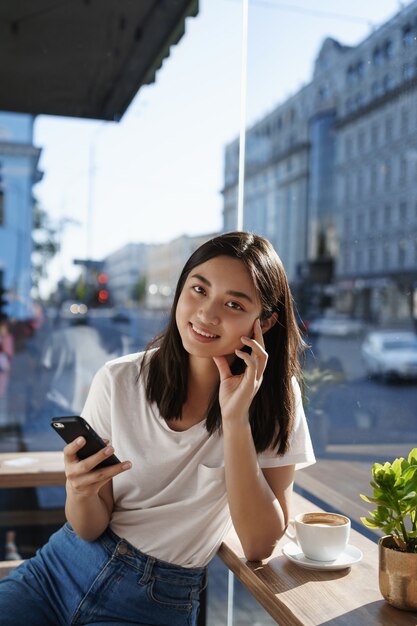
292 595
31 469
295 596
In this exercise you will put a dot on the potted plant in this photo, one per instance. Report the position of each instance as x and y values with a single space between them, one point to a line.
395 496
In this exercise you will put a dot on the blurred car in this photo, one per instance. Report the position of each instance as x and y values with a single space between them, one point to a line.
390 354
336 325
73 310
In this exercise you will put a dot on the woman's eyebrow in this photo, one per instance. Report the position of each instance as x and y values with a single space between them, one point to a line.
230 292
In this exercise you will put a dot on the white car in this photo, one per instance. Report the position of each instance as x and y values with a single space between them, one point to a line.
73 310
391 354
336 326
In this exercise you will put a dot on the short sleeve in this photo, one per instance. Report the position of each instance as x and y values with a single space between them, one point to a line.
300 452
97 408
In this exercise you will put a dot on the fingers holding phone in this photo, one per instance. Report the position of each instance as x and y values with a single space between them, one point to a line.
89 461
89 475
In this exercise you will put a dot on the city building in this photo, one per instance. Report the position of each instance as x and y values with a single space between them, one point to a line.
125 268
331 176
18 174
165 262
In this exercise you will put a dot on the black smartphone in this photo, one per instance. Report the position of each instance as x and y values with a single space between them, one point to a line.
72 426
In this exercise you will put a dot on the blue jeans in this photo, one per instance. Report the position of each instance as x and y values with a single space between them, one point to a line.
70 582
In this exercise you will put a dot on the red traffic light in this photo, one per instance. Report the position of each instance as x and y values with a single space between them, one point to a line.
102 278
103 296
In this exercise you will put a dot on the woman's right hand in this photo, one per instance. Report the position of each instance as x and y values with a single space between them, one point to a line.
82 477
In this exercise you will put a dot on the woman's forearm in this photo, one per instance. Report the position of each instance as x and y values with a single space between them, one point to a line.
256 514
88 515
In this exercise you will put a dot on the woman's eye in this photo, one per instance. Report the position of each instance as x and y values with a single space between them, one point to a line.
198 289
235 305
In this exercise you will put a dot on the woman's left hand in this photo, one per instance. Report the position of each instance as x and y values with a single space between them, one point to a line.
237 392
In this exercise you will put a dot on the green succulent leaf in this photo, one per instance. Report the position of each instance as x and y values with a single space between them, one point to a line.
395 498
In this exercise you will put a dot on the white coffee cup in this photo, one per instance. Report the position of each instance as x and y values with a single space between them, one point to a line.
321 536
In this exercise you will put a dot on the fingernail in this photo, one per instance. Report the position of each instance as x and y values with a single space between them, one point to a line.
109 450
80 440
127 465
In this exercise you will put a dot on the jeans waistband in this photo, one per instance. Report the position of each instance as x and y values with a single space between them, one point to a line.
149 565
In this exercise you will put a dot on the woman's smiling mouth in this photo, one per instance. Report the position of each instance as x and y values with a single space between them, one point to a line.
202 335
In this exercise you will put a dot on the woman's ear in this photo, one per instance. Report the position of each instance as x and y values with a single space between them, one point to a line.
268 322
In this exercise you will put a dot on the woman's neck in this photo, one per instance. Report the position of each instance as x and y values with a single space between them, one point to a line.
203 378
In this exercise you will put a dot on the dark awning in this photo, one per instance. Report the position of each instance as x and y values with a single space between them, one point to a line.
84 58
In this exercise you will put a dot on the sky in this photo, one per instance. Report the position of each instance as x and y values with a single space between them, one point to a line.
158 173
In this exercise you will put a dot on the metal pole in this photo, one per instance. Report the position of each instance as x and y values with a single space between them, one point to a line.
230 597
91 181
242 132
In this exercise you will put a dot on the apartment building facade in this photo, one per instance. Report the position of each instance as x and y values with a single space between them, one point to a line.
331 175
18 174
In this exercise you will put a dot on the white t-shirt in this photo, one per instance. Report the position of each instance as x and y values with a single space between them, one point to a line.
172 504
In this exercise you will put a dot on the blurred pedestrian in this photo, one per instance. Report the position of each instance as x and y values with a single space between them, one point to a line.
6 356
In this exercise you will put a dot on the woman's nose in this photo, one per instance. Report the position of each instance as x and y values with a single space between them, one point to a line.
209 313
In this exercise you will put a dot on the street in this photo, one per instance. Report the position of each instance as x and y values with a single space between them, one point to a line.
344 406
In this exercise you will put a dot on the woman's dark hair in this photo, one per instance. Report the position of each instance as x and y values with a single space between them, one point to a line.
273 408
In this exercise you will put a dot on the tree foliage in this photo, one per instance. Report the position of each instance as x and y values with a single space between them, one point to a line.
45 243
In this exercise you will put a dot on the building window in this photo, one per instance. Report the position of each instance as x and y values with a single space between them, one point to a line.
359 100
403 169
371 260
360 185
387 214
374 135
402 252
403 212
386 255
373 220
386 174
348 147
405 118
375 89
359 259
388 128
387 83
1 207
373 179
408 71
361 142
389 49
377 56
408 35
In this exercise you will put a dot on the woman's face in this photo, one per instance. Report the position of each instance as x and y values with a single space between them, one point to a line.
218 304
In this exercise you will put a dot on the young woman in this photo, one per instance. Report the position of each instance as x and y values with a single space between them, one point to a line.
211 422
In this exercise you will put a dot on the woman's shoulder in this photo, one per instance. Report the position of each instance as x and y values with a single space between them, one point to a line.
128 362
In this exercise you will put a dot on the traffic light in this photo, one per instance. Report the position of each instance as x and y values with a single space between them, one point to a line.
102 294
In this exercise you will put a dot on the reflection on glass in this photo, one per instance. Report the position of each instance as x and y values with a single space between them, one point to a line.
330 179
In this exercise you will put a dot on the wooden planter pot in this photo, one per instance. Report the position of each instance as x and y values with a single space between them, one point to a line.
397 575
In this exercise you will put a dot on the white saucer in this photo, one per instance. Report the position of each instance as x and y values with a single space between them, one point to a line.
350 556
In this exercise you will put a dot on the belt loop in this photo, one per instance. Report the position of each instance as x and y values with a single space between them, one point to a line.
150 561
